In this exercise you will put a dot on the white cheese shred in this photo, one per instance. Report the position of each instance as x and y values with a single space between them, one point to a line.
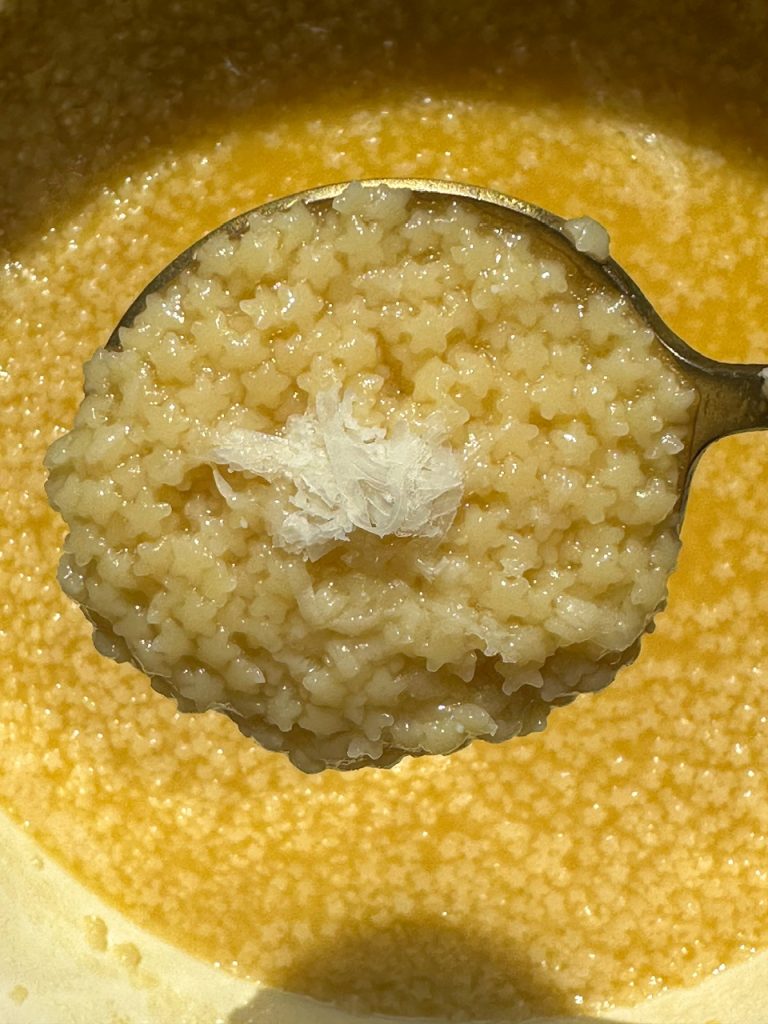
348 476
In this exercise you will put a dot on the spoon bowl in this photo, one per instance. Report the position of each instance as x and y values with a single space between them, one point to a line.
580 555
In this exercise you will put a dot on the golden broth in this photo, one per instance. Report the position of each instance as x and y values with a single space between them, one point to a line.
619 852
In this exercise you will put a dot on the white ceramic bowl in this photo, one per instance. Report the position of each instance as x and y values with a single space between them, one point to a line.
68 958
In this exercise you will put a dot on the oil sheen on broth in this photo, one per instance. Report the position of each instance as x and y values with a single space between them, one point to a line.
621 850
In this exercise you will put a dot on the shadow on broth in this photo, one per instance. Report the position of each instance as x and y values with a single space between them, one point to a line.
428 965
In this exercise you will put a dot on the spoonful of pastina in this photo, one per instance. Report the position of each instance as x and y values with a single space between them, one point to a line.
384 467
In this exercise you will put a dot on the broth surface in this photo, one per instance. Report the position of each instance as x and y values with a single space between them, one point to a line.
622 850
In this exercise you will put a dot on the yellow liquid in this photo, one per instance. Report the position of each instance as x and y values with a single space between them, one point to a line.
624 849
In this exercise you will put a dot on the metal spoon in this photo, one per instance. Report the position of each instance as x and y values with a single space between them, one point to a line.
732 397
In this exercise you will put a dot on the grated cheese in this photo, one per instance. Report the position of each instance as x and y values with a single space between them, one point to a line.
348 476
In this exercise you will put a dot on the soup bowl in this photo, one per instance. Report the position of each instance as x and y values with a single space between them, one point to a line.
157 866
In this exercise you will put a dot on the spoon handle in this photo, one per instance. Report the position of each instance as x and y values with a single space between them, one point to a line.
733 399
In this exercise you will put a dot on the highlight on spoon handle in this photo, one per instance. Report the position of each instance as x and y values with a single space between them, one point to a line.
733 398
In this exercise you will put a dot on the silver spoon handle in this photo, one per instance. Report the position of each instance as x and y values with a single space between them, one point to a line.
733 399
